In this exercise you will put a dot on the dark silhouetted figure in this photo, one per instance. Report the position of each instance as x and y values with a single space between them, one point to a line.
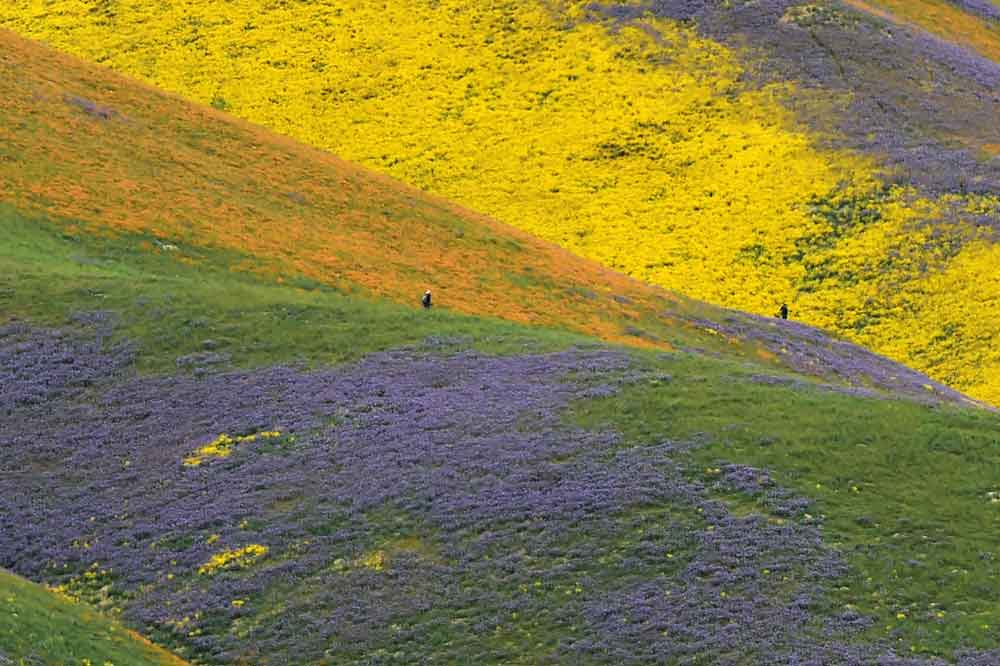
426 300
783 312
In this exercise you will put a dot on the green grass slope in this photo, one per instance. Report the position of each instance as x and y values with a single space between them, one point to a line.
902 491
909 494
39 627
172 308
296 471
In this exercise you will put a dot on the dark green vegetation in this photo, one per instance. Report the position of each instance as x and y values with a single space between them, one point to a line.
908 493
38 627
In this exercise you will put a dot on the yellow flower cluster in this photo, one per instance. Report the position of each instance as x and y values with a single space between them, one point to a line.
222 446
375 560
95 581
634 143
238 558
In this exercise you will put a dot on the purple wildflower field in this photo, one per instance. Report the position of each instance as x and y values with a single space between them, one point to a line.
810 351
415 508
37 366
908 89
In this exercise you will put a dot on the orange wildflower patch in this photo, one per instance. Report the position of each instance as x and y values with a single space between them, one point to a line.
120 156
939 18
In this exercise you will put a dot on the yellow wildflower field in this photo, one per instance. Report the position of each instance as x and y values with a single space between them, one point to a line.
636 143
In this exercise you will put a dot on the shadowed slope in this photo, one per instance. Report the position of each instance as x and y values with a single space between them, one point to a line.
42 627
84 144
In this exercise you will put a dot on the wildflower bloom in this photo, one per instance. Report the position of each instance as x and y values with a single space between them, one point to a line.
617 128
222 446
238 558
439 476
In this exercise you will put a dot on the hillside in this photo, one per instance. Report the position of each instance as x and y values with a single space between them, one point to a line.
93 153
840 157
39 627
465 490
227 421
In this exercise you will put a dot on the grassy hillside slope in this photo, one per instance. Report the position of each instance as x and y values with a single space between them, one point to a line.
85 145
95 153
42 628
762 152
177 447
254 470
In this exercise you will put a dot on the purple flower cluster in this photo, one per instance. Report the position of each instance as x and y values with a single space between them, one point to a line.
40 366
416 509
810 351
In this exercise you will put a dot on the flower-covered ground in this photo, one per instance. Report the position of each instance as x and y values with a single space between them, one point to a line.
257 472
415 507
480 476
744 153
213 429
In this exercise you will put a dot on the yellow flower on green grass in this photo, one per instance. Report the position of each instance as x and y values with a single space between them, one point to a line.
238 558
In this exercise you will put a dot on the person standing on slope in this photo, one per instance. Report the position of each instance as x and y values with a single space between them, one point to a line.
426 300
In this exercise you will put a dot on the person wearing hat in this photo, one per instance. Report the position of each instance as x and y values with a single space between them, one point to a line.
426 300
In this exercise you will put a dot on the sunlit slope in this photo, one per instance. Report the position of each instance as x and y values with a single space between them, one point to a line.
91 152
41 627
84 144
634 142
